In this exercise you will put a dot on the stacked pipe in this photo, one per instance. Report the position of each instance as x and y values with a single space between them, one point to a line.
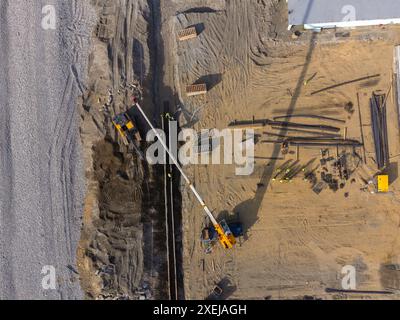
321 134
379 129
316 141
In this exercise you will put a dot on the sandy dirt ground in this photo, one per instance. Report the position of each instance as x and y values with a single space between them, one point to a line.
41 184
296 242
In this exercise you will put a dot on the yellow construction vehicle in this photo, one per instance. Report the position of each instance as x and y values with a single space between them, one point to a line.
224 234
209 234
128 131
383 183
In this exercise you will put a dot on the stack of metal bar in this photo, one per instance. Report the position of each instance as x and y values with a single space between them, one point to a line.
314 135
379 129
317 140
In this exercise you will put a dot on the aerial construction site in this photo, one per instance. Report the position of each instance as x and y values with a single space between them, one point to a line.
311 99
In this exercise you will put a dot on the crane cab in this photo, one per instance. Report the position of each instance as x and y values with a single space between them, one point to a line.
225 233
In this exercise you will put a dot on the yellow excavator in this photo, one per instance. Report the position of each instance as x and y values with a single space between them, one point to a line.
225 236
128 131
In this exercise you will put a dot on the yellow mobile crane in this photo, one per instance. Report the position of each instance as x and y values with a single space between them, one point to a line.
225 236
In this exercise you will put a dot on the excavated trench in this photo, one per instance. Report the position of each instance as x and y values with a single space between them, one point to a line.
164 102
123 251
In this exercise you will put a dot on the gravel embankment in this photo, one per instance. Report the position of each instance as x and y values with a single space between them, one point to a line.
41 174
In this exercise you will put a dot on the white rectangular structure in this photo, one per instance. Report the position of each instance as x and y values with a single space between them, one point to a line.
322 14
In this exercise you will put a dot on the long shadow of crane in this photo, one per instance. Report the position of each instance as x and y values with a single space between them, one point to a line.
249 209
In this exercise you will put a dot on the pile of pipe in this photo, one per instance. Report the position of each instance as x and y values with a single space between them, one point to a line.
379 129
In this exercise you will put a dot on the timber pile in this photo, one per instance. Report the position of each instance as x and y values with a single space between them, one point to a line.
186 34
196 89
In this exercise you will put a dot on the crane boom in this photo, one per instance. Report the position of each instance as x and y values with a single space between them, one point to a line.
225 237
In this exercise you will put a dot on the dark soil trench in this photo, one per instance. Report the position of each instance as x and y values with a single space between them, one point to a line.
163 98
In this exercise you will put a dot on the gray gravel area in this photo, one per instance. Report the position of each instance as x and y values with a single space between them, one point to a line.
41 171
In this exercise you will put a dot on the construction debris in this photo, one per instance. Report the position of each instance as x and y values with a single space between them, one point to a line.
349 107
319 187
336 171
